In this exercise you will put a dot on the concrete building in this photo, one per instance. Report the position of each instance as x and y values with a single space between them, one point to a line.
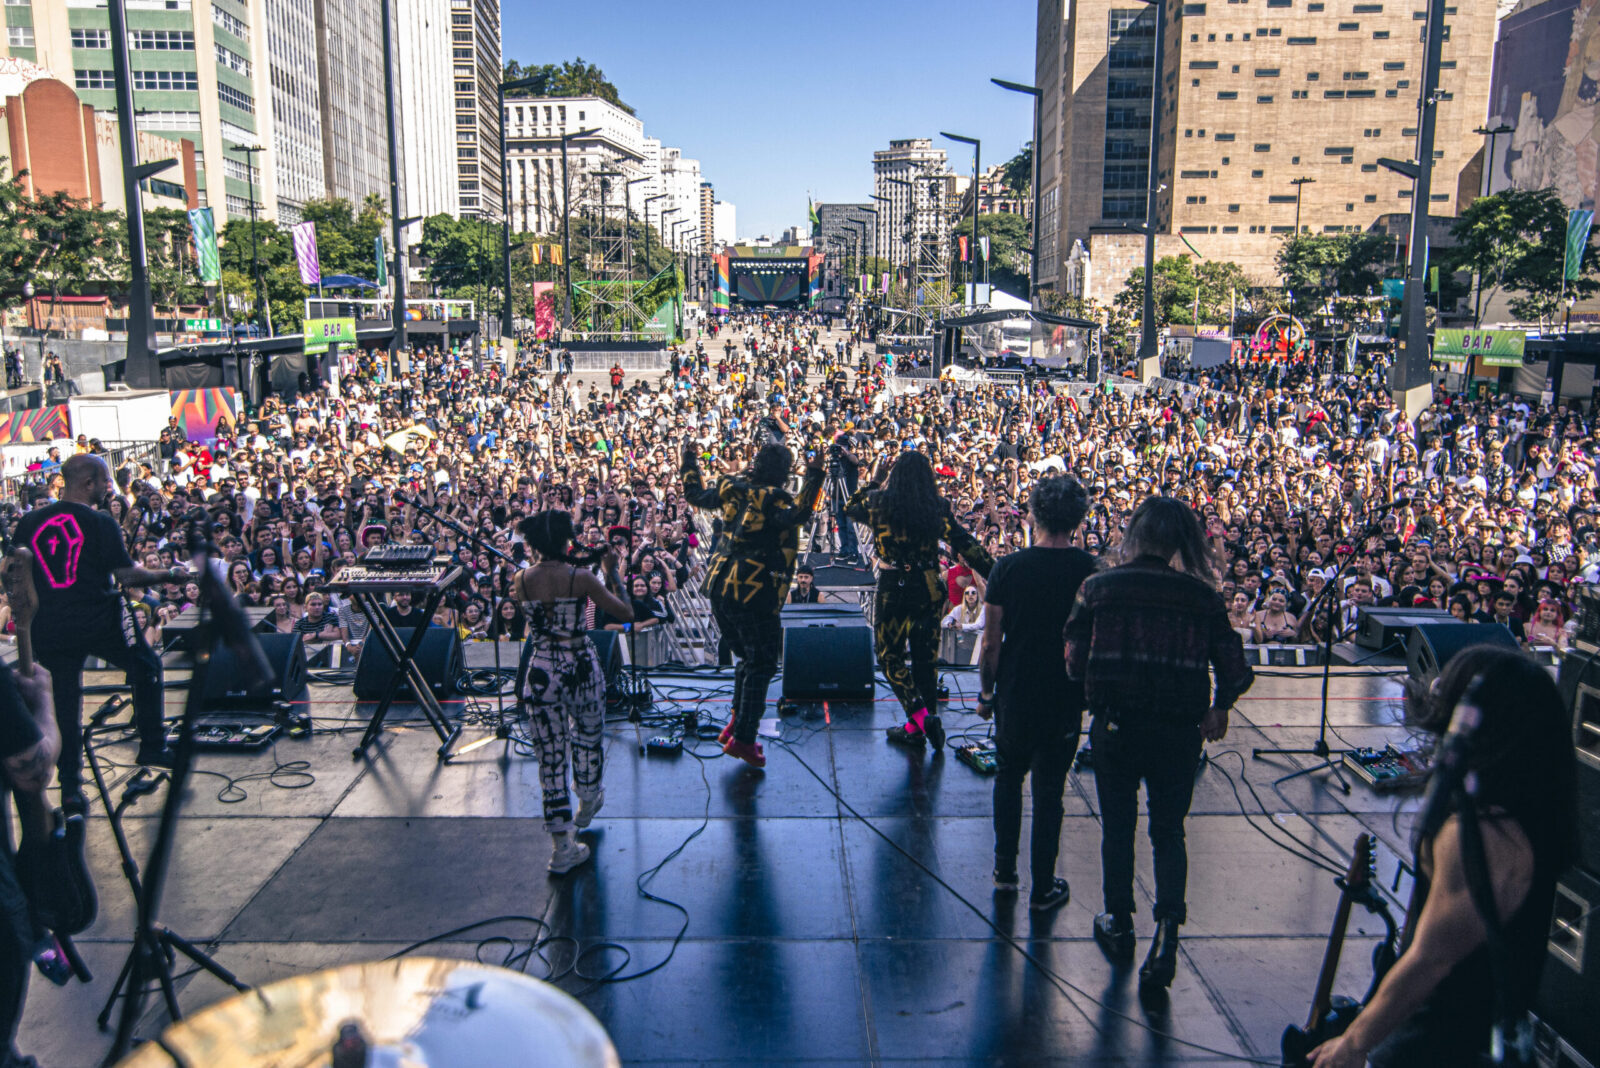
1254 97
297 129
426 106
477 70
680 181
1048 77
708 215
200 74
725 224
995 197
918 214
1541 94
535 127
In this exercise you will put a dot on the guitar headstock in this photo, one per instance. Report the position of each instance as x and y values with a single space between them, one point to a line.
16 575
1363 866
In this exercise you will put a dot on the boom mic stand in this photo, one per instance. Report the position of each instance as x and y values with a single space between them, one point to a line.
150 955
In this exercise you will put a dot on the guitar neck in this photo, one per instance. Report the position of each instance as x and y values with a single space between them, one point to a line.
24 651
1322 1000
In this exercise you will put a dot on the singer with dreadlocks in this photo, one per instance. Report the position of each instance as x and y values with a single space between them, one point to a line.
560 680
748 576
908 520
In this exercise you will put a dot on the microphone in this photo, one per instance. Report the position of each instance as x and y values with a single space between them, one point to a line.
1398 502
403 499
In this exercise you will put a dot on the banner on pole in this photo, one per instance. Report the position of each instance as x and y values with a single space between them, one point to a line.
963 240
556 257
885 283
1494 348
381 260
1578 223
320 333
204 227
305 252
536 254
983 245
544 310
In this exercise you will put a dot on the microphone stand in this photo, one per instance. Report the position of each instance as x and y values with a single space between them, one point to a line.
1330 759
478 545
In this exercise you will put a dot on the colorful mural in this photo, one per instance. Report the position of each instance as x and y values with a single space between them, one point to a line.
35 424
198 411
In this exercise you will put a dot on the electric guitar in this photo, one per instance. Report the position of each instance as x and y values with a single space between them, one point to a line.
1330 1016
16 574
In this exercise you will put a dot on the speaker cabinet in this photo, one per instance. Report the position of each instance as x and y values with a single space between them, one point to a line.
1569 986
229 688
1386 629
438 658
828 660
1580 688
1430 646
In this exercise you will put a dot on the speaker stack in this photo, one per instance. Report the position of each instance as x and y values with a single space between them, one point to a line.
230 688
1430 646
439 660
827 653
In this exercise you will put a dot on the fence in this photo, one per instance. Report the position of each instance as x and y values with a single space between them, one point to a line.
117 454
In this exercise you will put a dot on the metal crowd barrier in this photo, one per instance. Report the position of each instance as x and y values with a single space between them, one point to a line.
117 454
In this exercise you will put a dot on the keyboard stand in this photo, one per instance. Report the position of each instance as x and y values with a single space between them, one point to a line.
403 654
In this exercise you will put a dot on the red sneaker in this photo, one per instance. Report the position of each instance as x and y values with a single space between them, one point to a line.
749 752
726 736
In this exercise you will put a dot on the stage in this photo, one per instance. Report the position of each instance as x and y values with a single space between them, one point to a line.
817 930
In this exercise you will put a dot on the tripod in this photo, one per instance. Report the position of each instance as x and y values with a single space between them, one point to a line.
830 513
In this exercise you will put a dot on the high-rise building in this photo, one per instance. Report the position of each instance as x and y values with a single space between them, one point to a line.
355 138
199 74
915 179
475 52
291 33
708 215
1047 77
426 118
1255 97
680 180
726 224
535 126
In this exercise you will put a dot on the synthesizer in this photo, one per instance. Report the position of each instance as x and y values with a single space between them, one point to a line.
362 579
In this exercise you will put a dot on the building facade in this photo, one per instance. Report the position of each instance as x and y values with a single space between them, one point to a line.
535 127
708 215
296 97
914 180
1254 97
680 181
424 64
477 70
725 225
995 197
200 74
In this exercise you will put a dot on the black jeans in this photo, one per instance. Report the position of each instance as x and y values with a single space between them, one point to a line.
1049 765
1164 758
63 656
756 638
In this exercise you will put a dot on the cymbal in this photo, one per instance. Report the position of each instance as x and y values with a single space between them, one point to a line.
416 1012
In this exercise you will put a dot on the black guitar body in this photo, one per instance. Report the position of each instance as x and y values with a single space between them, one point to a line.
56 879
1298 1042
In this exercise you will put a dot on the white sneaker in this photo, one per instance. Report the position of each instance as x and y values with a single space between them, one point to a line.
568 855
587 810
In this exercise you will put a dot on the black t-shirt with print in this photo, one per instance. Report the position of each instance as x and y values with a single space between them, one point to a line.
75 550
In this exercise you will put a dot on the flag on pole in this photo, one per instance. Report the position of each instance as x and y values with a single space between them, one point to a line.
811 212
1433 279
556 259
204 227
963 240
983 244
305 252
886 283
864 283
1578 223
382 260
536 254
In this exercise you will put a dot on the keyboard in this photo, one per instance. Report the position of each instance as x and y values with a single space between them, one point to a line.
407 556
363 579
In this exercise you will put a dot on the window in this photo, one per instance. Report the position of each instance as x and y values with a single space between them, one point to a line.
1313 76
233 60
1262 146
1369 168
1300 40
1447 64
1314 7
1194 200
1229 95
1121 87
1280 3
1230 229
1380 35
1409 131
92 79
1355 75
1337 151
166 81
1202 64
1223 137
1361 94
1192 230
239 99
460 19
468 87
169 120
461 53
1194 9
1404 194
1333 94
91 38
469 170
19 36
1282 198
1403 83
1194 174
1283 229
1264 98
1391 93
1266 72
239 171
238 206
1348 27
1370 198
459 37
162 40
1257 174
1233 209
229 23
1396 64
1367 9
1299 94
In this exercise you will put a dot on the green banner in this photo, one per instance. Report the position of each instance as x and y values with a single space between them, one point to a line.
208 264
320 333
1578 222
1494 348
383 266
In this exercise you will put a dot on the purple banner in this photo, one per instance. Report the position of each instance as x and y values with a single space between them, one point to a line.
305 252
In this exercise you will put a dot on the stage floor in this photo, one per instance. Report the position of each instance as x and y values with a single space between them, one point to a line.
811 935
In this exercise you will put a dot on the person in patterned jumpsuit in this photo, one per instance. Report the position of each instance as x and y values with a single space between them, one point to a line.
748 576
908 519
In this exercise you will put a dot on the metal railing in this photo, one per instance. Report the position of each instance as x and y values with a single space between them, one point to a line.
117 454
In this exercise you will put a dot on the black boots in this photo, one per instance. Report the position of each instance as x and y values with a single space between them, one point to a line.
1162 964
1115 936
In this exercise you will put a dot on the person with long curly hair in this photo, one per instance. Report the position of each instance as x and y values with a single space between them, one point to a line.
748 575
908 519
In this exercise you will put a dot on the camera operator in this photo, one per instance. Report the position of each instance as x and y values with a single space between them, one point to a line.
845 467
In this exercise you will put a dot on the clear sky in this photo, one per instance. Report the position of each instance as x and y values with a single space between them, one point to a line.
777 99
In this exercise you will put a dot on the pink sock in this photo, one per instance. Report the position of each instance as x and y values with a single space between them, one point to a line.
915 723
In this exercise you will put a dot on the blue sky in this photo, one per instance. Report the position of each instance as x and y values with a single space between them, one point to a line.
778 98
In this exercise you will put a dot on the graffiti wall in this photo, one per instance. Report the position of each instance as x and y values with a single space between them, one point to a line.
35 424
1546 86
198 411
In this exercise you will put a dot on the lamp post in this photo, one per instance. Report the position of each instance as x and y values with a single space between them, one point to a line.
397 306
647 202
885 210
911 213
1299 191
872 249
566 225
627 224
1033 259
977 176
255 260
1149 352
1503 128
506 326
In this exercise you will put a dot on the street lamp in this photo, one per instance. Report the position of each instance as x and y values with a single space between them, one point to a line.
566 224
873 248
885 210
1149 353
627 225
506 326
1033 268
977 176
1299 188
911 212
255 260
1488 185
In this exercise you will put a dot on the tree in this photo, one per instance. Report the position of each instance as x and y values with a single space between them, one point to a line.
465 253
1182 287
1516 240
1315 266
1018 171
173 277
1008 250
571 78
345 238
280 276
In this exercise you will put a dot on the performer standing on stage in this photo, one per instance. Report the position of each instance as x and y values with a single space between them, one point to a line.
748 575
560 679
1438 1002
79 557
908 520
1038 711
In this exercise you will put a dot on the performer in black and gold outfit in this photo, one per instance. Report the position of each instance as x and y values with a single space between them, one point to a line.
749 574
908 520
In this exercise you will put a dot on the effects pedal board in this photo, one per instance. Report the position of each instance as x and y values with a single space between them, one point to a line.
665 744
981 757
1389 770
228 736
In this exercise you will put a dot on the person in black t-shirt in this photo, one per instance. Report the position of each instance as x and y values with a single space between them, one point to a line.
79 559
28 745
805 587
404 614
1038 710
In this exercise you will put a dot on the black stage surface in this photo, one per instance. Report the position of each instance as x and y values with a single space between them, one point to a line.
838 906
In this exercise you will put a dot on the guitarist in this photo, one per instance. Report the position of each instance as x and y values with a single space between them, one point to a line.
1439 1001
79 558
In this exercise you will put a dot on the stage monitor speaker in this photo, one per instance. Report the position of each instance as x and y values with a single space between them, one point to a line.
831 575
225 678
1430 646
438 658
828 661
609 649
1385 629
1580 688
1569 986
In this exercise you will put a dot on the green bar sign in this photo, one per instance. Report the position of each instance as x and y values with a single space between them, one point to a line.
202 326
320 333
1494 348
